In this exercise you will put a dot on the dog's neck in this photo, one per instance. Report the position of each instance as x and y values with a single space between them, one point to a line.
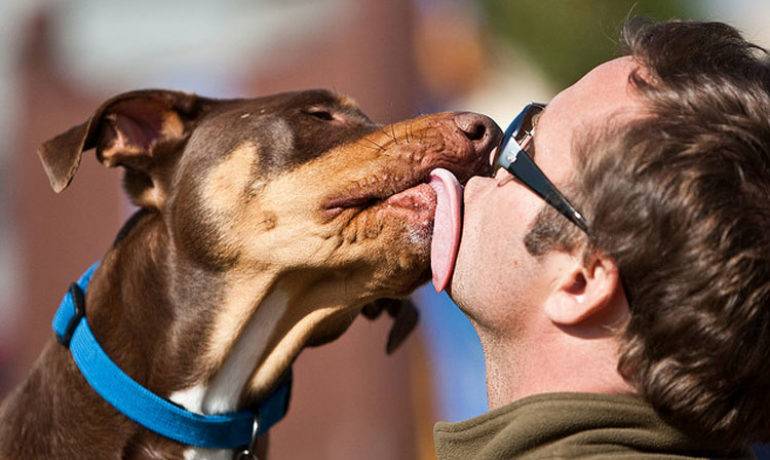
180 332
222 390
202 332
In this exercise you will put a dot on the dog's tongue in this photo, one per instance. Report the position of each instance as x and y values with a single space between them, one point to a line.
446 226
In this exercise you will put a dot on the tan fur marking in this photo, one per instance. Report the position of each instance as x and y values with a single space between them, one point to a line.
244 294
307 310
151 197
274 364
119 147
348 101
172 127
226 183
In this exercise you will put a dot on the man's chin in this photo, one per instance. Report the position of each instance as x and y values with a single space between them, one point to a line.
463 285
456 290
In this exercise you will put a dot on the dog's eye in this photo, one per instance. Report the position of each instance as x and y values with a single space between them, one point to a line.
321 114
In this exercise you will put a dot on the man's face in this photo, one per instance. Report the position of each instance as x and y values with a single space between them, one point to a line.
496 281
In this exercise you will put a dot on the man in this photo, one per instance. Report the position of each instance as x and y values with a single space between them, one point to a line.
627 316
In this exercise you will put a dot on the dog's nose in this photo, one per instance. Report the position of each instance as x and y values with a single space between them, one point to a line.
481 130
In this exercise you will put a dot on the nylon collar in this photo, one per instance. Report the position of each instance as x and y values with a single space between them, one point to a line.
222 431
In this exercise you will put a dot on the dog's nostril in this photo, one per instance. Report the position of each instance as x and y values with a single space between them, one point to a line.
478 129
471 125
476 132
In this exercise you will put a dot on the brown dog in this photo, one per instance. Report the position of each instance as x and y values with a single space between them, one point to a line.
265 226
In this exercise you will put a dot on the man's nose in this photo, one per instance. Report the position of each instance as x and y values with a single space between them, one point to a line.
481 131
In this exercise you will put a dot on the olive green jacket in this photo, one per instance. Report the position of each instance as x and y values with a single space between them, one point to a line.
571 425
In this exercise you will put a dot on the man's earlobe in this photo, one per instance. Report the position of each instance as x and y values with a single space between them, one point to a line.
584 292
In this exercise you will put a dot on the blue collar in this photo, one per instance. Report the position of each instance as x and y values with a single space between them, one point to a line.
224 431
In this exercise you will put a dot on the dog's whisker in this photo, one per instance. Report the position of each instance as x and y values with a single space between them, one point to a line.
368 147
380 148
385 132
415 137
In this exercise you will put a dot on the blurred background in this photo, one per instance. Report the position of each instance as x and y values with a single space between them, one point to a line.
397 58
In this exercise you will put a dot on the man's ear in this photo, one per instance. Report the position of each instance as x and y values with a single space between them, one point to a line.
133 130
585 290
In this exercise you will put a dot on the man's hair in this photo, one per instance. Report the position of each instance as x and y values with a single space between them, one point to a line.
680 199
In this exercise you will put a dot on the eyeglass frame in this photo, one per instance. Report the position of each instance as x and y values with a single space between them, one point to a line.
515 159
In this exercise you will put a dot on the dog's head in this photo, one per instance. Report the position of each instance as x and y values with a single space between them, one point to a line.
296 181
299 185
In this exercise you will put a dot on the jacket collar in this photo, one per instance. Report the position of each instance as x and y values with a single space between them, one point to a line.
568 425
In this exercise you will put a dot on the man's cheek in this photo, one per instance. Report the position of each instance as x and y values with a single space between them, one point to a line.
480 238
473 188
470 255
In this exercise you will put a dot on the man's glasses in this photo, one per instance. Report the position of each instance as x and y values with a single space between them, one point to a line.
512 156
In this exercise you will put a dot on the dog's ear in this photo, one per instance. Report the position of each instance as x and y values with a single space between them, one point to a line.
136 130
405 317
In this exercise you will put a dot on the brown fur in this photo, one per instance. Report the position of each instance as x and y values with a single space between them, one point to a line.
232 195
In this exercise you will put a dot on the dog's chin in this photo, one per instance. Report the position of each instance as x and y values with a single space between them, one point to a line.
408 216
405 239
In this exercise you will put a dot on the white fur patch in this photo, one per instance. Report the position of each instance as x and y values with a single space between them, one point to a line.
228 383
192 400
224 389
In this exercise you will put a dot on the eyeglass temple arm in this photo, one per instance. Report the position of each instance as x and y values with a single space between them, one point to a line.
525 169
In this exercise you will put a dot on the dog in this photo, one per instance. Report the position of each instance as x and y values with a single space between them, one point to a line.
264 226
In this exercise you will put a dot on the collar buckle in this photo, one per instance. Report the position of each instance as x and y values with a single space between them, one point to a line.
78 299
250 452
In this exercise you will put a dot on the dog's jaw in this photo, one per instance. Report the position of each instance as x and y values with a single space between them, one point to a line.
256 335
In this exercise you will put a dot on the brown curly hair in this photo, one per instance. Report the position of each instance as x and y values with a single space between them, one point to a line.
681 201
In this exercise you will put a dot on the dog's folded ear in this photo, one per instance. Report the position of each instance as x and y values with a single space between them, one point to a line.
133 130
403 312
405 317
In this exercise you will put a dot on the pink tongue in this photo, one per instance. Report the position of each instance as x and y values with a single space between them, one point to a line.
446 226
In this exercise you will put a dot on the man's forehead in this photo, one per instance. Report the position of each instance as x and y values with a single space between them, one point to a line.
605 89
603 94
